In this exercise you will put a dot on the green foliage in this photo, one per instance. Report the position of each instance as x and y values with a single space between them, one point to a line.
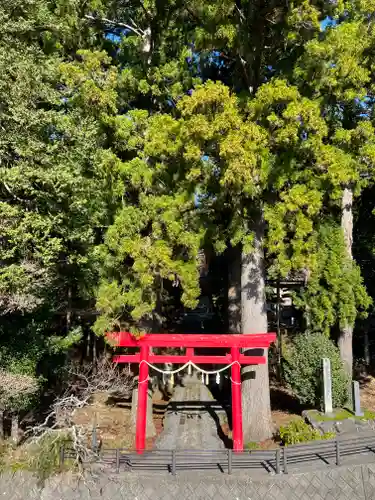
252 445
42 456
298 431
50 197
335 293
113 176
57 344
303 369
282 150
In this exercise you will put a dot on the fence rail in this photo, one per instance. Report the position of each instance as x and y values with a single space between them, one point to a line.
276 461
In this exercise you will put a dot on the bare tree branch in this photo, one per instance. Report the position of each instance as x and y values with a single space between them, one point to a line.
83 384
14 195
138 31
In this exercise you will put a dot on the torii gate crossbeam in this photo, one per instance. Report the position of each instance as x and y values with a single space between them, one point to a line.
229 342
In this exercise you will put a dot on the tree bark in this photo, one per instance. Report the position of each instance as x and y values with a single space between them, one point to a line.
345 341
256 404
234 290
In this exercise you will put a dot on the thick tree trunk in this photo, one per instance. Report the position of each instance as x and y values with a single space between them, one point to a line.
257 419
234 290
345 341
234 299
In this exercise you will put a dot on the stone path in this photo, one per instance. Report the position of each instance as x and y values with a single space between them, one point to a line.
192 419
347 427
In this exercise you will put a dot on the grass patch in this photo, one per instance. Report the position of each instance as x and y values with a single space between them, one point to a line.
342 414
42 458
298 431
252 445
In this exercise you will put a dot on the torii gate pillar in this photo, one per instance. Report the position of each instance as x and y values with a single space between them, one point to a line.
237 434
140 433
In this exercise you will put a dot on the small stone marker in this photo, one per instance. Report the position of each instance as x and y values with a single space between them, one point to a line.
327 385
357 400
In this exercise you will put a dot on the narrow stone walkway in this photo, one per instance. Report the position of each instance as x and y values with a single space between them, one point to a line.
192 419
347 427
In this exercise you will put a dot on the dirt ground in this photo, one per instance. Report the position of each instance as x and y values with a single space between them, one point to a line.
113 423
115 429
285 407
367 390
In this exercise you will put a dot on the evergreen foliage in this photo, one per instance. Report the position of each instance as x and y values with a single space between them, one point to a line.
134 135
303 369
335 294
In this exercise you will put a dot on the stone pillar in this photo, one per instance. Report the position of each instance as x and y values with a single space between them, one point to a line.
357 400
327 386
150 427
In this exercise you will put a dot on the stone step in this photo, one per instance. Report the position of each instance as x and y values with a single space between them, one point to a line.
199 432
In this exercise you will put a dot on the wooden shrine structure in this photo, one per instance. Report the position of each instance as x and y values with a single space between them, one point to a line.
232 346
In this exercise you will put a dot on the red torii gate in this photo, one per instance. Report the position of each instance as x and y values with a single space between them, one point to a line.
232 343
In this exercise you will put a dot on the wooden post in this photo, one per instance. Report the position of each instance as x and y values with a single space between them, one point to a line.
285 460
338 457
174 462
62 457
140 437
278 468
236 402
229 462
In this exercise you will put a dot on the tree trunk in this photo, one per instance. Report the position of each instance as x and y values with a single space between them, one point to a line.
234 290
1 424
257 419
69 310
366 350
88 346
14 430
345 341
94 350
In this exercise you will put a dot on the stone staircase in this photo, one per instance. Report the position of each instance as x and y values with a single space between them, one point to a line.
192 419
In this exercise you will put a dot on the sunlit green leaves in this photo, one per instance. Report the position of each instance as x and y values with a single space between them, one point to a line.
335 292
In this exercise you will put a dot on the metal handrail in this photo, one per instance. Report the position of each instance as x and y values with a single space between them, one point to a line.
273 461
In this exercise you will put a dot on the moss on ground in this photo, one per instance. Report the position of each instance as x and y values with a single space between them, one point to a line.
342 414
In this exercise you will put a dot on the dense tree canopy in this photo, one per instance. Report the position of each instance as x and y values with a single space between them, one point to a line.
134 135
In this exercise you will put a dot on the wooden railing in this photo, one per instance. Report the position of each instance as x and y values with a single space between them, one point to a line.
329 452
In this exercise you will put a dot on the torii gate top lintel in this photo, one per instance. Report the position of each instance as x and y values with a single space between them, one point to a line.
189 342
126 339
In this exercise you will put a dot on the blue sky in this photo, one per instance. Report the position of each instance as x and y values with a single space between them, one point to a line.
328 21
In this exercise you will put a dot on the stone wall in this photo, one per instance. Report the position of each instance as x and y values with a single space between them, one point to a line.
355 482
